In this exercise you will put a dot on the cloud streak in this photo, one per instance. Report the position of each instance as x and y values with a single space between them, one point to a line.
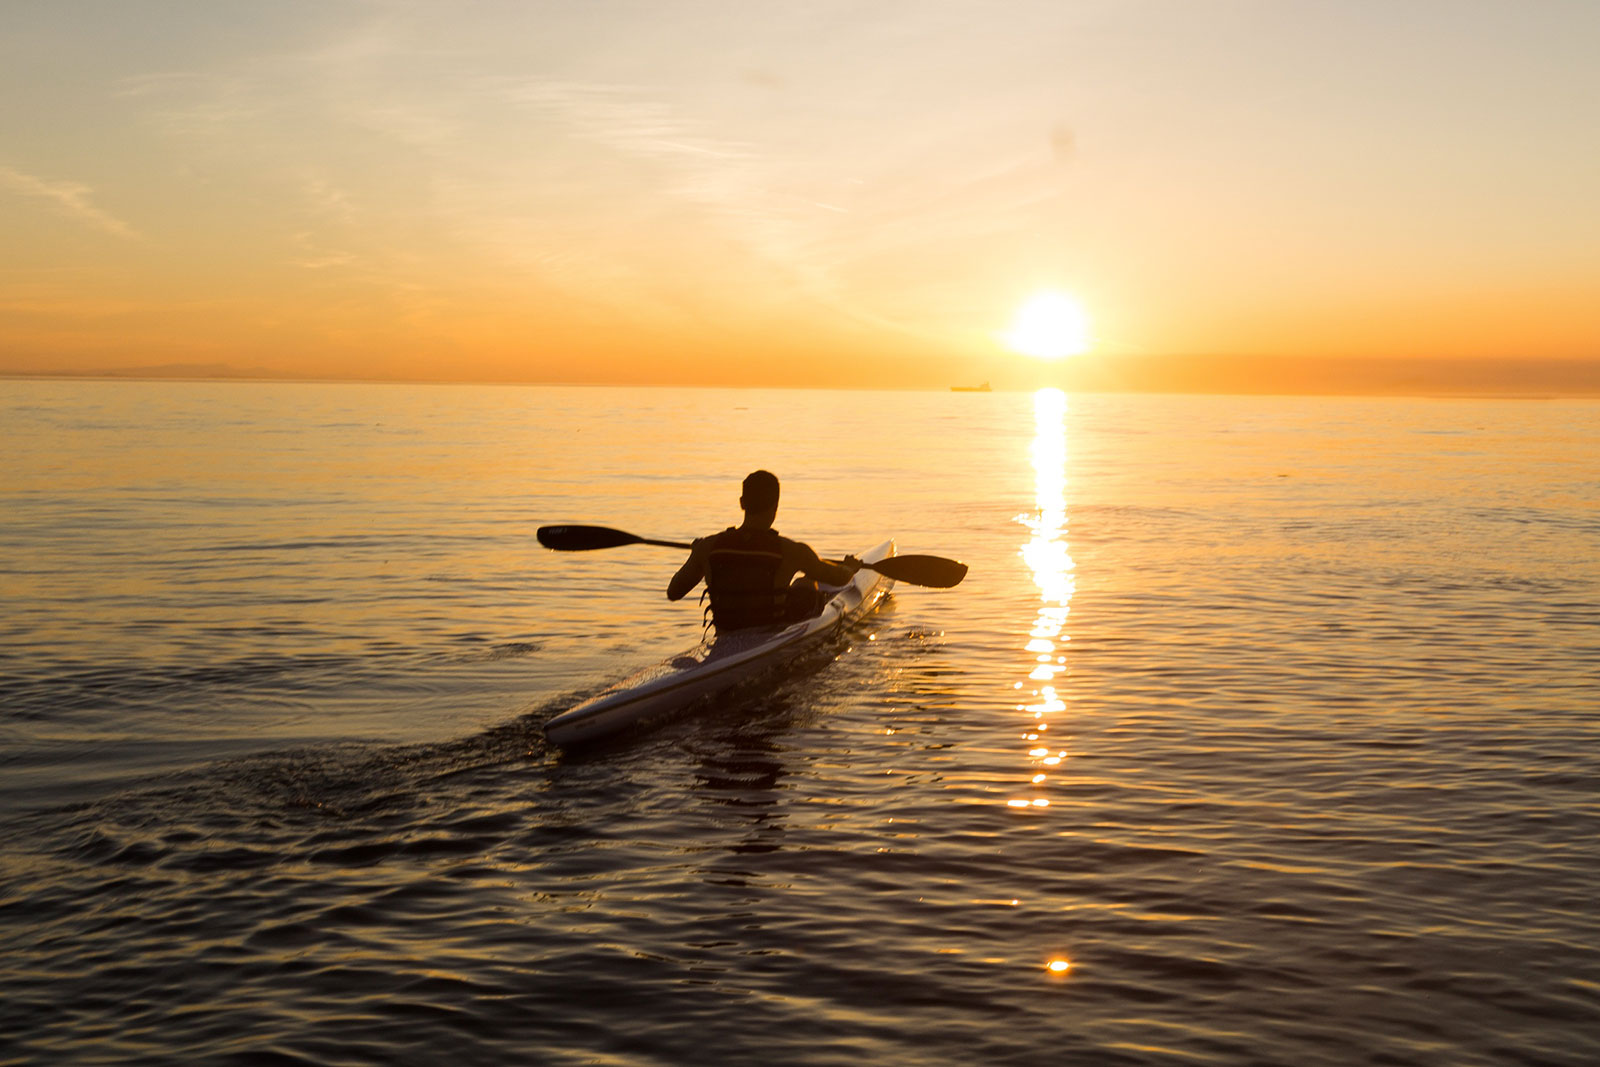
752 195
71 199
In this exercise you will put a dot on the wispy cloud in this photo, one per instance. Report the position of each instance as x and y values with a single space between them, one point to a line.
712 172
69 198
633 118
737 184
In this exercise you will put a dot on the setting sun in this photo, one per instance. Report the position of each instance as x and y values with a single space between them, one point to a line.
1049 326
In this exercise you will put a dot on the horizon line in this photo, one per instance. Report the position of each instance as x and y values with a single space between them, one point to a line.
1099 378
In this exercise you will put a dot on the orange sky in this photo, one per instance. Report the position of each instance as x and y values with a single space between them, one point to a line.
814 194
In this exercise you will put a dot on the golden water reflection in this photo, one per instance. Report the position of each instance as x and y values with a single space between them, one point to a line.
1048 558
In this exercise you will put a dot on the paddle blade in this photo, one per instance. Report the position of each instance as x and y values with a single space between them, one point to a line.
936 572
584 538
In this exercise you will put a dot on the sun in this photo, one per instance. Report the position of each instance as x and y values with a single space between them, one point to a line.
1049 326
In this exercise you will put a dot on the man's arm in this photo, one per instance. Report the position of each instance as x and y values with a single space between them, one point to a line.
689 575
826 571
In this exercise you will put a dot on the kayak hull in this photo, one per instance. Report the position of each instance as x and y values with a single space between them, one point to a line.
716 666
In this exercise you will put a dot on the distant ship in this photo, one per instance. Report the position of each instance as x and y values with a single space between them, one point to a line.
984 388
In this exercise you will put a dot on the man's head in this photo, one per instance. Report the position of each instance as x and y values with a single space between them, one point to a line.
760 493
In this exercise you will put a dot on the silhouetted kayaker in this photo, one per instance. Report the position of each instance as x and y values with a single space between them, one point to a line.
747 568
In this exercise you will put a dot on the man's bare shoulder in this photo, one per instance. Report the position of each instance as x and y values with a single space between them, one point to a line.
796 549
802 557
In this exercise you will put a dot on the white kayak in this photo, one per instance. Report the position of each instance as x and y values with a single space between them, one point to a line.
720 664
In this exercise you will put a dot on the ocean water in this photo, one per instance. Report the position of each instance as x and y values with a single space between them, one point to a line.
1263 731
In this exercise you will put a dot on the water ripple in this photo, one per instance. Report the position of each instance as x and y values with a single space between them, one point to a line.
1315 734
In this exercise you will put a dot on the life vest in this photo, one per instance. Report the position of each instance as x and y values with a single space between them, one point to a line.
746 580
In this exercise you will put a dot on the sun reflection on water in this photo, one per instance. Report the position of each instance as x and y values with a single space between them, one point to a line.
1047 556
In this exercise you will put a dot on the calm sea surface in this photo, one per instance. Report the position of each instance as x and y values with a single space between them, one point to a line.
1263 731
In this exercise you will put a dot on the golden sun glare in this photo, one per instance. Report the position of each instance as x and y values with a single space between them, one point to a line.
1049 326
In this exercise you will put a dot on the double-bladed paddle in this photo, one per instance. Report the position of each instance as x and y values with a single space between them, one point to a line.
936 572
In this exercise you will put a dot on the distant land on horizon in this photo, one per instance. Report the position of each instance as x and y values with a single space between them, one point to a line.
1269 375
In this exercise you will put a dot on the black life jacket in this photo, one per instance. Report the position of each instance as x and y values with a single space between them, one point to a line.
746 580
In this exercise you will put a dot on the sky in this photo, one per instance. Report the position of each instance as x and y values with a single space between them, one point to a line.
812 194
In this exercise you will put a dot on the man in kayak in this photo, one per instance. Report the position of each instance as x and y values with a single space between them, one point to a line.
747 568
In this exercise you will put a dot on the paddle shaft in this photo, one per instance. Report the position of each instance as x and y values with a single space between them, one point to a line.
934 571
682 544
